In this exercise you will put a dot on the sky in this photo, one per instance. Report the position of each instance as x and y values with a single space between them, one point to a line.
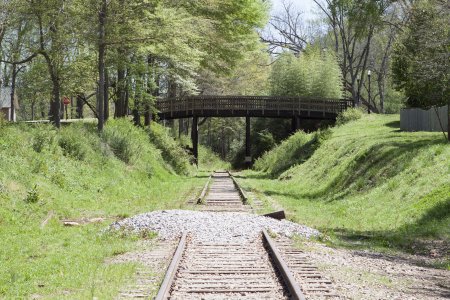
307 6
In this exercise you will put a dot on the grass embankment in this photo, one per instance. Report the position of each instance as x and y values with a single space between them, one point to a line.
47 176
365 184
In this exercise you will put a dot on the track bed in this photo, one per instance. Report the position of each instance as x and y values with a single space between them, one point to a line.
227 271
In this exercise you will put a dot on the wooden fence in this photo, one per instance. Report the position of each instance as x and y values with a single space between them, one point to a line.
416 119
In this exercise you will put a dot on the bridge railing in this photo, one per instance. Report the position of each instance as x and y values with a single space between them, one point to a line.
250 103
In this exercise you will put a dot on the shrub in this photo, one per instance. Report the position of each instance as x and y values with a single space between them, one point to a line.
2 120
42 139
117 134
32 196
72 146
351 114
171 150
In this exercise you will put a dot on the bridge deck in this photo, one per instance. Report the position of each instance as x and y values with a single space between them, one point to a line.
250 106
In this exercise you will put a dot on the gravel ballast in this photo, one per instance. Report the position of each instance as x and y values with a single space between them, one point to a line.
218 227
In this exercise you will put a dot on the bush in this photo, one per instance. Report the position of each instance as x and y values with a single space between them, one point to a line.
2 120
118 135
351 114
72 146
32 196
43 138
171 150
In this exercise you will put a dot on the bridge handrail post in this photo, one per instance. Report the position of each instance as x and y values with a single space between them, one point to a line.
323 107
292 106
278 106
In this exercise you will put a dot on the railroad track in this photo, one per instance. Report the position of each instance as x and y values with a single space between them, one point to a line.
221 193
253 270
264 268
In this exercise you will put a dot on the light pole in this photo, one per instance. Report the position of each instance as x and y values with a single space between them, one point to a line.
368 100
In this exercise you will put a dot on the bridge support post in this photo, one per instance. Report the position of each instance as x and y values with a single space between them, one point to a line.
194 137
248 157
295 123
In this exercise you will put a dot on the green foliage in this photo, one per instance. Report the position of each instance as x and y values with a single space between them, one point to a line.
120 135
2 120
171 150
34 90
209 160
370 184
312 74
351 114
420 60
294 150
71 142
43 139
264 141
32 195
100 185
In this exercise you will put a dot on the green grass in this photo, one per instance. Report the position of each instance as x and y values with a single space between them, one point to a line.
367 185
76 174
210 161
292 151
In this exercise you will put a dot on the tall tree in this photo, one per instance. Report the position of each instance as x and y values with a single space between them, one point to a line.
286 30
354 24
421 58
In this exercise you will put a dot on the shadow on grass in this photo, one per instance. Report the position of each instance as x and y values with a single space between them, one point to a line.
393 124
254 176
428 235
369 169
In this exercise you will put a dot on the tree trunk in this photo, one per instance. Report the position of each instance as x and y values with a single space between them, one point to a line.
80 104
120 110
101 66
106 96
55 105
13 88
33 104
136 117
147 115
127 93
381 92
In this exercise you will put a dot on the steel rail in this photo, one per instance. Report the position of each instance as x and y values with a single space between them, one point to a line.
292 285
238 187
203 193
164 290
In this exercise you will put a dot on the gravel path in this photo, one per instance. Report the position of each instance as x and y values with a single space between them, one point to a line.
217 227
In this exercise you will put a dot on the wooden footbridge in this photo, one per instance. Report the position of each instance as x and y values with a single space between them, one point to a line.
295 108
